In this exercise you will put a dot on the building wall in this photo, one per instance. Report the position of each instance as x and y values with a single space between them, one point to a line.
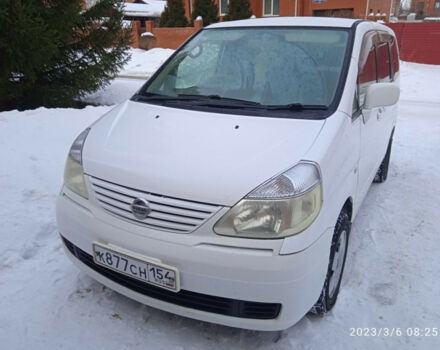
434 9
428 8
380 6
307 7
358 7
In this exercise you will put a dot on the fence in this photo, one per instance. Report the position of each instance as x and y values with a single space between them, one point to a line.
170 38
418 42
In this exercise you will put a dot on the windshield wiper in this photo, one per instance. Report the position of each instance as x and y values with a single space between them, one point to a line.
245 103
158 97
220 98
198 100
224 102
295 107
205 99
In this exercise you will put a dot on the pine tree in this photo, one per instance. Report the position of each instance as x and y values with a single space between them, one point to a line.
238 9
53 52
207 9
173 15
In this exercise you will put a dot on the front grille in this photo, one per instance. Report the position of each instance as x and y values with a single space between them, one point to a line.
167 213
193 300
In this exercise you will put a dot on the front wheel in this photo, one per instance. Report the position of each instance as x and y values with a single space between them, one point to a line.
338 254
382 172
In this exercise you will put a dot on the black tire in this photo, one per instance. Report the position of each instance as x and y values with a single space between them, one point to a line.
382 172
330 290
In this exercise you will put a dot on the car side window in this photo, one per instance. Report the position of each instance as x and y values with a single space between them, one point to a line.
383 62
394 58
367 67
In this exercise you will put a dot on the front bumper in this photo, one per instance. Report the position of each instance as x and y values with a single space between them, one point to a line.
215 272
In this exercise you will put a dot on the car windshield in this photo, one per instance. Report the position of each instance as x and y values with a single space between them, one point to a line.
267 67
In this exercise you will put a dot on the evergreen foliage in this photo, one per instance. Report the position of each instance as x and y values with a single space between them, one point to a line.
53 52
173 15
238 9
207 9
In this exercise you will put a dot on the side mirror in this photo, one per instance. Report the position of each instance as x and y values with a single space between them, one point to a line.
381 95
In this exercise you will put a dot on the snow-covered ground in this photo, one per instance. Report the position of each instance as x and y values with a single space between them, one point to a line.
420 83
392 277
120 89
144 63
141 66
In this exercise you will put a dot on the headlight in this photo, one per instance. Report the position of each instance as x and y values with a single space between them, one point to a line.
281 207
73 172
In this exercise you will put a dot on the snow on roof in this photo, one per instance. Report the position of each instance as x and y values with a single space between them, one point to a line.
431 19
151 8
288 21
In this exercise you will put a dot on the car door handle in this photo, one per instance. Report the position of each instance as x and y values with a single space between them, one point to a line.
380 113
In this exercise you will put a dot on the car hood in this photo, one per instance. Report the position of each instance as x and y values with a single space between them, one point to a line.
207 157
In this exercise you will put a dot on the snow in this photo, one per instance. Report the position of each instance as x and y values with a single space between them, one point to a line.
119 90
140 68
392 277
145 63
151 8
420 83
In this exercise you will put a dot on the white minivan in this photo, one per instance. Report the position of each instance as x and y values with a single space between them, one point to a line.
225 188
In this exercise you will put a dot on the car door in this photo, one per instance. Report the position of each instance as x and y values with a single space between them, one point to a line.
385 74
372 69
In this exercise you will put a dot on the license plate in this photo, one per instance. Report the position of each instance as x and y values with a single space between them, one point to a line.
140 268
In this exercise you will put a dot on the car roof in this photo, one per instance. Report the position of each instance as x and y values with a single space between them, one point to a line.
288 21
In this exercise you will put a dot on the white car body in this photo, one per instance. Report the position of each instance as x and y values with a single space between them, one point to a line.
184 157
